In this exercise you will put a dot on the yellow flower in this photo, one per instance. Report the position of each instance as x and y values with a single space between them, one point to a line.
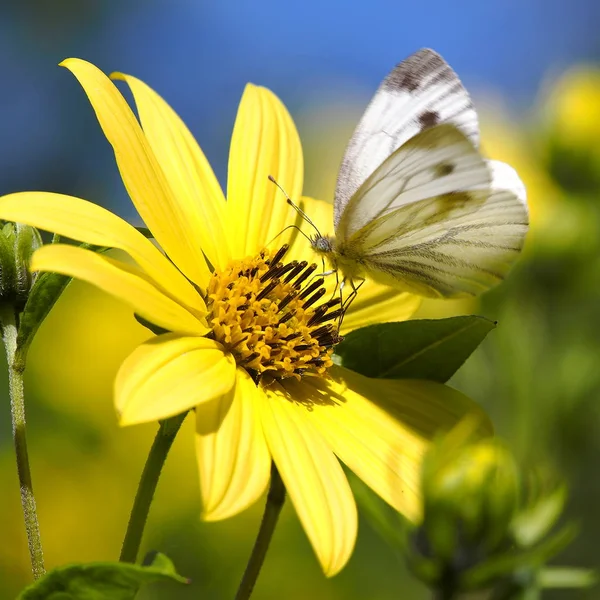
250 340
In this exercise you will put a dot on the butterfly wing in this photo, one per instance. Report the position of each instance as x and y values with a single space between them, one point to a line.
436 218
420 92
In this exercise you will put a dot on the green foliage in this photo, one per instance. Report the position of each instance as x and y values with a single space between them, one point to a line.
423 349
101 580
43 296
478 531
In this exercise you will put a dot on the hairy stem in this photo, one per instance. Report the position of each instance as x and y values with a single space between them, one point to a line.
8 322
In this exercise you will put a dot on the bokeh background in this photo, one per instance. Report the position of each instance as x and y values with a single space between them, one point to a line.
532 68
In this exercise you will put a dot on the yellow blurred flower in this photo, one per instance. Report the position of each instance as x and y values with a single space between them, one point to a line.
249 342
574 105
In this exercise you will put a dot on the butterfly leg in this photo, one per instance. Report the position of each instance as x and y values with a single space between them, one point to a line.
346 304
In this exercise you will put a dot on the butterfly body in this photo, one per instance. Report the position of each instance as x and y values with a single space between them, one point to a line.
416 205
340 258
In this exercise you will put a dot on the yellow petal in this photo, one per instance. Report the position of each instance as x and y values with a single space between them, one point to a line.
233 457
87 222
313 477
199 196
264 142
140 171
171 374
381 429
375 303
126 282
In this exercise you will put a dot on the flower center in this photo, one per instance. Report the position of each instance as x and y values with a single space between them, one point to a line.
267 314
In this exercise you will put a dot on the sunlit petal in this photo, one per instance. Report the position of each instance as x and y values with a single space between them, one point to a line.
140 171
381 428
87 222
126 282
233 457
171 374
313 478
265 142
199 196
377 303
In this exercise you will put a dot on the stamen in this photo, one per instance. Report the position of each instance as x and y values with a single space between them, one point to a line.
304 275
297 268
262 314
317 283
280 254
266 291
314 297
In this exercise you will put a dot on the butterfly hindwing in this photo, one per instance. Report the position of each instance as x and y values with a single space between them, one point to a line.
421 92
435 230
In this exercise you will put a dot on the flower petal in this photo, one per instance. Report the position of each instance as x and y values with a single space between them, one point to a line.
377 303
171 374
313 478
232 452
140 171
381 429
374 303
87 222
126 282
264 142
199 196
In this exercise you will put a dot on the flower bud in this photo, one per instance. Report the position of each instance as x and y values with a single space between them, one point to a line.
482 527
470 498
17 244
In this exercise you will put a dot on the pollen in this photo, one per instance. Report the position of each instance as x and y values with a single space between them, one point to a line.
268 314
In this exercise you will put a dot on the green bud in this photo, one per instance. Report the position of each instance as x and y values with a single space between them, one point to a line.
17 244
470 496
482 527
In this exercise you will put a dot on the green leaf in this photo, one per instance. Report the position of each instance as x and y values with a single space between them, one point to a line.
151 326
521 560
100 581
431 349
535 521
145 232
566 577
43 295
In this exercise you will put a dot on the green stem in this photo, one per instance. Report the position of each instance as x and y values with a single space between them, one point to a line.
446 591
17 408
273 506
145 493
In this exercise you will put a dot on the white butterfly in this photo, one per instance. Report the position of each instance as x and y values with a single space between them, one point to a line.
416 205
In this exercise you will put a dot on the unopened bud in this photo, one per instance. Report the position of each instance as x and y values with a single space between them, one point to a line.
17 244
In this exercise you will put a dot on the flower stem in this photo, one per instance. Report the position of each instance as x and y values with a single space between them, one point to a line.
8 322
273 506
145 493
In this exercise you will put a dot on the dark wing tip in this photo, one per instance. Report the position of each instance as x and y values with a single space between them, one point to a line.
415 70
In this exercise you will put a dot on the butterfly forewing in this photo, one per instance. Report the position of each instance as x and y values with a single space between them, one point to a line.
439 163
421 92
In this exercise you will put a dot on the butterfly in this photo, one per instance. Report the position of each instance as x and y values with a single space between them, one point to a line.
416 205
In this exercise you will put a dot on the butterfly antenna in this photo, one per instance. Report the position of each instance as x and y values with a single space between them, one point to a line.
295 206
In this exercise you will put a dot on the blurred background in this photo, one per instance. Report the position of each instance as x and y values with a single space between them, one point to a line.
532 69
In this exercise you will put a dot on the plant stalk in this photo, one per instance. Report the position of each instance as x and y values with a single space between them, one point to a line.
273 506
163 441
8 322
